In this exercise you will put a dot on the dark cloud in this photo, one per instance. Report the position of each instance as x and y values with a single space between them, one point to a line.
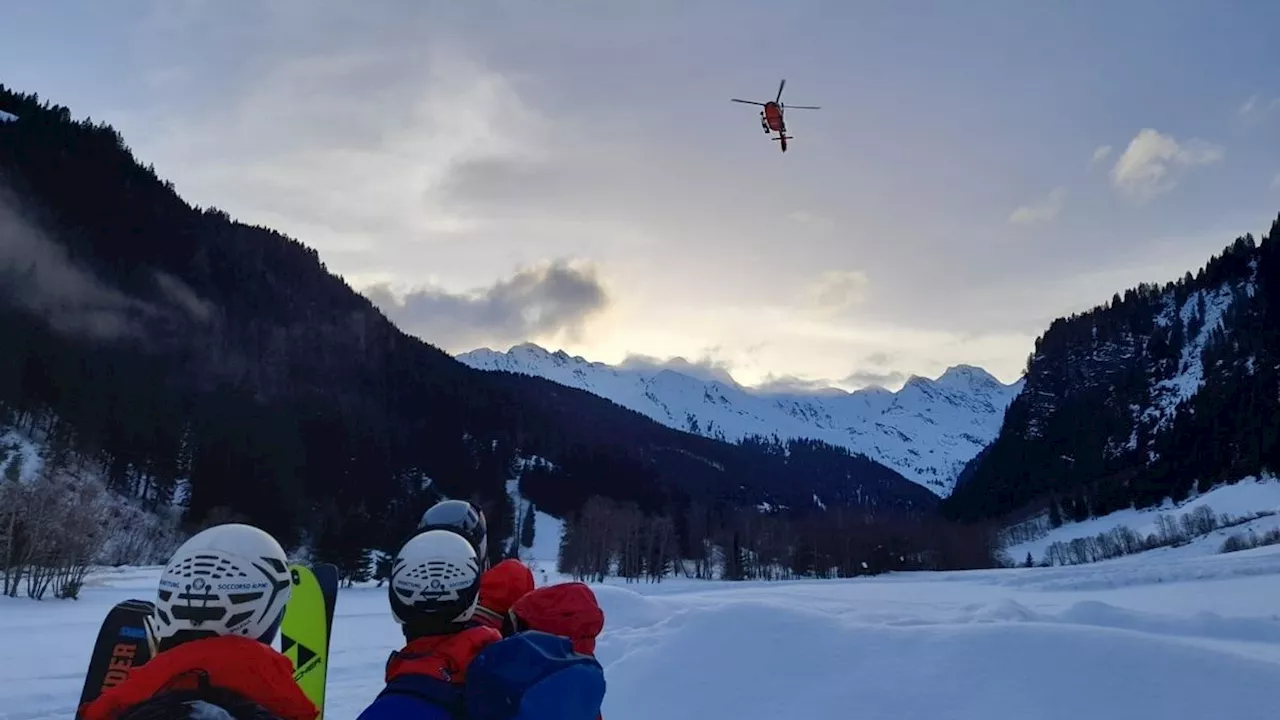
706 368
864 378
792 385
502 182
537 302
879 359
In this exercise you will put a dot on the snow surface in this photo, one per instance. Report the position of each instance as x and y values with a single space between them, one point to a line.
7 116
1167 393
547 531
1244 498
1169 638
926 431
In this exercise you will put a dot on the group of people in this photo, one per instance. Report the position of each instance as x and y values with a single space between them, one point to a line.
481 643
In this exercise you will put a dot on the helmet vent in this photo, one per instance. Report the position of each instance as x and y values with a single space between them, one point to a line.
238 619
214 566
441 569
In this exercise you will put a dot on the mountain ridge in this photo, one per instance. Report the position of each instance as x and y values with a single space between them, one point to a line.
926 431
1165 389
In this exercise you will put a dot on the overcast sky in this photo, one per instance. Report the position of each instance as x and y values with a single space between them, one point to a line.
495 172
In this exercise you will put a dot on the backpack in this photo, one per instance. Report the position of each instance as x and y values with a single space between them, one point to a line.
534 675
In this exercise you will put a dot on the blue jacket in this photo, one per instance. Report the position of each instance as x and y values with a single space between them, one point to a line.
528 676
417 697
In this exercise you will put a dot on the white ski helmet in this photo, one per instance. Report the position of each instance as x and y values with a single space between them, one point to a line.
230 579
435 583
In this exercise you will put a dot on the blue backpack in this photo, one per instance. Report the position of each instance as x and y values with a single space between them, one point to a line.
534 675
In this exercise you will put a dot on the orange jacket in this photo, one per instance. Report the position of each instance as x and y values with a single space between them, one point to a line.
246 667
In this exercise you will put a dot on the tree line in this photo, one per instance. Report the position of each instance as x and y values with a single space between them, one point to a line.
607 538
1170 531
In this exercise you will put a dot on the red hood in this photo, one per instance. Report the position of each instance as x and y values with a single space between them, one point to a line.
568 609
500 587
252 670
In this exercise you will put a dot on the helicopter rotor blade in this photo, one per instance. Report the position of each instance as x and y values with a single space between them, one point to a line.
780 86
802 107
748 102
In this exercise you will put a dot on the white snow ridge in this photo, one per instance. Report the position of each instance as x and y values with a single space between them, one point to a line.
7 116
927 430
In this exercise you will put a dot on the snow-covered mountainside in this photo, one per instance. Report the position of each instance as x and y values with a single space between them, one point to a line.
1165 390
926 431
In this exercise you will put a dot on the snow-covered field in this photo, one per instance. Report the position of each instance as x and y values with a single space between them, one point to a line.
1160 636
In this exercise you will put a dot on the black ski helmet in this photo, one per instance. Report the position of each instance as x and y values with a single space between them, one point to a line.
463 518
435 583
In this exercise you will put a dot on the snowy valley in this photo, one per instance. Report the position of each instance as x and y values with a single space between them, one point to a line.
1176 638
927 431
1131 470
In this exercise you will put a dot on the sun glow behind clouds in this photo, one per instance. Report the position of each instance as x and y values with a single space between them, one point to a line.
987 178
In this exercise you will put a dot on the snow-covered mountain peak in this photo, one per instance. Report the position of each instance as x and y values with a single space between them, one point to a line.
927 430
967 376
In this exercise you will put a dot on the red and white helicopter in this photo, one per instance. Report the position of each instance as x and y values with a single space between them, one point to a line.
771 116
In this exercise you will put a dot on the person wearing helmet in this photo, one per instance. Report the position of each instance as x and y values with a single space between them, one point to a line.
219 605
501 585
463 518
435 583
434 591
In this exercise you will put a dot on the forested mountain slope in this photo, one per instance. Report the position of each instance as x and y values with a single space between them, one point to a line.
1161 389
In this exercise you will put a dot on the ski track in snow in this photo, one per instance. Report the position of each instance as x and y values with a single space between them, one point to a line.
1168 637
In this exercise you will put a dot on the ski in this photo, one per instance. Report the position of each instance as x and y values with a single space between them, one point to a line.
123 644
307 624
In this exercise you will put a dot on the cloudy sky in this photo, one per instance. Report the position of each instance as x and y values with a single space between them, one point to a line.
574 174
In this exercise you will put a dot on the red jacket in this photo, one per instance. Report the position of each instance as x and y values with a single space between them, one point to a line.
427 679
443 657
500 587
248 668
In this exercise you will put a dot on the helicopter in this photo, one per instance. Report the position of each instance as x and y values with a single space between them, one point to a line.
771 116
